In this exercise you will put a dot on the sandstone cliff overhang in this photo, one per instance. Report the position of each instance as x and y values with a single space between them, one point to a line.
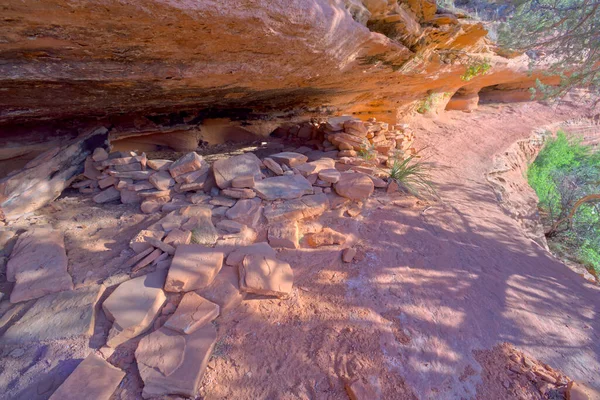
97 58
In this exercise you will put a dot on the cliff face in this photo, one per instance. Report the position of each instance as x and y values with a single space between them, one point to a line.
106 57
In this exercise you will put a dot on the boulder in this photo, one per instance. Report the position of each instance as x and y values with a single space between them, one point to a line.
133 306
57 316
193 267
38 265
193 312
266 275
225 170
283 187
173 364
354 186
45 177
93 378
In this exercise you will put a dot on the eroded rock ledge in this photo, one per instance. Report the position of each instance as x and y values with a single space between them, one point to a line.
67 59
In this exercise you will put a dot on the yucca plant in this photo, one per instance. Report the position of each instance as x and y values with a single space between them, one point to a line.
413 174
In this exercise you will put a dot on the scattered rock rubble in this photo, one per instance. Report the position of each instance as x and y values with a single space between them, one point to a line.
205 251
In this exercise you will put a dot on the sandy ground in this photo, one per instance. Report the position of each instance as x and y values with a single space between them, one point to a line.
435 287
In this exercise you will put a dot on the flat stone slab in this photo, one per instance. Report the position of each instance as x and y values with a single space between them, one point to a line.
56 316
246 212
283 187
305 207
226 170
188 163
314 167
38 265
331 175
290 158
225 290
266 276
93 378
193 267
133 306
237 256
172 363
193 312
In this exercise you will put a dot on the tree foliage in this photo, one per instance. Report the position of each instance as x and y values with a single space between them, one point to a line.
561 35
566 178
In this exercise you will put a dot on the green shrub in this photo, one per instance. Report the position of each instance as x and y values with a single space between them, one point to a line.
475 69
564 172
413 175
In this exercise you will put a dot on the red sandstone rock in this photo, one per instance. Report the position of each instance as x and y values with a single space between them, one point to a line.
273 166
239 193
107 195
161 180
314 167
237 255
246 212
283 187
93 378
305 207
173 364
159 165
188 163
355 186
192 313
266 276
133 306
177 237
244 181
225 290
193 267
139 242
38 265
284 234
329 175
290 158
225 170
326 237
348 255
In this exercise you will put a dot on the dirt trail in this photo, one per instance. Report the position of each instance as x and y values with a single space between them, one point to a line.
436 283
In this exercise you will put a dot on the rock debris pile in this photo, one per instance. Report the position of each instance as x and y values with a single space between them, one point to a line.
204 255
341 146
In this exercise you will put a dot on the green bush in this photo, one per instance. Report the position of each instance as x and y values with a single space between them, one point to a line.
564 172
